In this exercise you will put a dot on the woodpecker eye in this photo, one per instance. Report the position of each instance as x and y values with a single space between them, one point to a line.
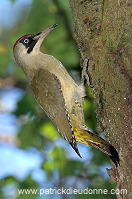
26 41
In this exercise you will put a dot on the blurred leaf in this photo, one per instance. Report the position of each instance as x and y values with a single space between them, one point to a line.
72 168
29 135
49 131
27 184
2 194
12 1
4 62
99 158
54 162
26 105
2 48
49 168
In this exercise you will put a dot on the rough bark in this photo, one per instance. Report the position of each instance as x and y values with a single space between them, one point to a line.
103 32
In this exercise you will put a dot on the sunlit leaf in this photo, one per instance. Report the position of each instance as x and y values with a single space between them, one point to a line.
49 131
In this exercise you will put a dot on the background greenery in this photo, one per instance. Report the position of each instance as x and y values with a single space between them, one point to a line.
60 166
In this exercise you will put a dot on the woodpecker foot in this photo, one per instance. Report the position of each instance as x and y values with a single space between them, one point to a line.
85 73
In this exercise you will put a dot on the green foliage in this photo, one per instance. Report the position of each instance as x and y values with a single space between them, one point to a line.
49 131
12 1
29 134
27 185
26 106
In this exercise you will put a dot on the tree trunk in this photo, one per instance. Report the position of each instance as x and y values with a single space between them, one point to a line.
103 32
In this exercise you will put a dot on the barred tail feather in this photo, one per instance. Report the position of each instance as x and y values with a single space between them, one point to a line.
88 138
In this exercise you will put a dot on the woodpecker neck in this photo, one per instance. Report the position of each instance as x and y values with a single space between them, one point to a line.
27 63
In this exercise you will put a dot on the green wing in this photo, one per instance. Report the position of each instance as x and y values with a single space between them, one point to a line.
47 90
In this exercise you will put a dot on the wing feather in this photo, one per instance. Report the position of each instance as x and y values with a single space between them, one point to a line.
47 90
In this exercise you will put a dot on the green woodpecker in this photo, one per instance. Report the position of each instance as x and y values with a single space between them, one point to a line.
57 93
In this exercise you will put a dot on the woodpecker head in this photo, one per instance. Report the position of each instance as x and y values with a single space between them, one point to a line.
31 43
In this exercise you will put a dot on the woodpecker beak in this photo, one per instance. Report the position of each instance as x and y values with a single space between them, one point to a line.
40 36
44 33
